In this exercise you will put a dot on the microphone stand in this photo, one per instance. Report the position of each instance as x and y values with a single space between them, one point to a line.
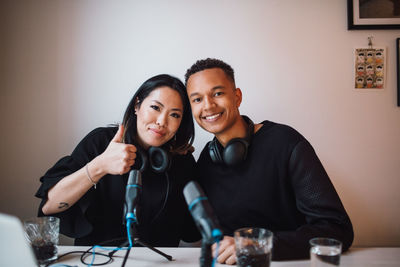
206 255
132 199
136 240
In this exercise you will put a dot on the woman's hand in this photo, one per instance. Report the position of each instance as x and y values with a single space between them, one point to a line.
118 157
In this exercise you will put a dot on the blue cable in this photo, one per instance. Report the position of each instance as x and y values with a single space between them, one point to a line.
216 254
217 235
128 226
129 220
104 248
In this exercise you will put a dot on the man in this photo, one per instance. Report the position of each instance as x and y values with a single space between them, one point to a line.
264 175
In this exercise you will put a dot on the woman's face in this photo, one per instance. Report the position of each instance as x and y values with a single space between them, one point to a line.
159 116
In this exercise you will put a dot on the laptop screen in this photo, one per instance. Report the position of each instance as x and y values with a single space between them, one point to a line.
14 248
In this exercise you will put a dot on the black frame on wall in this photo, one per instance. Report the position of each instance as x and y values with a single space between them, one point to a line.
351 25
398 70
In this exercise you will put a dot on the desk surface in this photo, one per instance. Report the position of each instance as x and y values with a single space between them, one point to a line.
144 257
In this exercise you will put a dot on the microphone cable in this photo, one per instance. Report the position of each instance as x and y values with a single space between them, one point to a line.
92 251
112 250
109 256
216 254
165 199
129 222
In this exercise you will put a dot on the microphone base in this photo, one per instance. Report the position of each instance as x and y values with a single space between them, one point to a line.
136 240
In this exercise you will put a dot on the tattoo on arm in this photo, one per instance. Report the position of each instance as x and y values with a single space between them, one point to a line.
63 205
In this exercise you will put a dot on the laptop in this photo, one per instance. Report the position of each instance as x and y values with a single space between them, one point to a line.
14 248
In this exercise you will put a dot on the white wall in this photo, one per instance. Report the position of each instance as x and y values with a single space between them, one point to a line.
70 66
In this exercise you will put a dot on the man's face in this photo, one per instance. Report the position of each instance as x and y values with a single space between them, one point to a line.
214 100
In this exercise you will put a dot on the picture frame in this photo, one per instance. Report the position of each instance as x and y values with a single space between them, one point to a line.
370 69
398 70
373 15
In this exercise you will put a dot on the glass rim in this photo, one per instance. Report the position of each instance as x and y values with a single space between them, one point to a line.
325 241
43 218
250 230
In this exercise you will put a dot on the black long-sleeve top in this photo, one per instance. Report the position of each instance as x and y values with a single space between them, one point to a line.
282 186
98 216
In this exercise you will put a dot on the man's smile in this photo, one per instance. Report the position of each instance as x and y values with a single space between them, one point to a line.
212 117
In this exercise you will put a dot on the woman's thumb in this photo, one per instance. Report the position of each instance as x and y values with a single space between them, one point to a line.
119 135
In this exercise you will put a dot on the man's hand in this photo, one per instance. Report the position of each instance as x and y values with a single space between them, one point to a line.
227 251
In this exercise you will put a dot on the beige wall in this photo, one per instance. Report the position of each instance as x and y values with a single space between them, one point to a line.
69 66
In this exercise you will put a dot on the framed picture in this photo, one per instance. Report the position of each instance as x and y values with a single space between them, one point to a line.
373 15
398 70
369 68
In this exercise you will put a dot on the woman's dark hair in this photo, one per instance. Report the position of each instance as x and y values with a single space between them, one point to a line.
184 137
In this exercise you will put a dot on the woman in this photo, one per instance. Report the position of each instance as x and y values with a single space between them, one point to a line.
86 190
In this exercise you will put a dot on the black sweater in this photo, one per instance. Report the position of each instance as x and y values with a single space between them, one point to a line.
98 215
283 187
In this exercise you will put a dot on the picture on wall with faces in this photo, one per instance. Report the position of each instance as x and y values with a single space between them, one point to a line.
369 70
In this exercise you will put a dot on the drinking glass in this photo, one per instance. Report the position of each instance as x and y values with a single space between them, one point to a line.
253 247
325 252
42 233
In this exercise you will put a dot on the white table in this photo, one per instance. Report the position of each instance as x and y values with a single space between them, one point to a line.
144 257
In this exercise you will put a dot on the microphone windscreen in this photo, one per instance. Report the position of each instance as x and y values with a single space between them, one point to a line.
192 191
134 177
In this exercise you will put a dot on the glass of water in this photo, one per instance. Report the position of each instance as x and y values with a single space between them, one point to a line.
325 252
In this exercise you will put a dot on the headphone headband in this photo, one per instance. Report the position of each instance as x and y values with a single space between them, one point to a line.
250 128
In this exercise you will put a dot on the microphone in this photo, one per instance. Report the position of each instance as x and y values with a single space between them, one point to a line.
134 185
132 193
202 213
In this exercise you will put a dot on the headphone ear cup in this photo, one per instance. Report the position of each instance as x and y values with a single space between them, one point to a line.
159 159
213 150
141 160
235 151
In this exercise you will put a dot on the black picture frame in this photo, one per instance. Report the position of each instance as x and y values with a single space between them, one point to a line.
398 70
354 22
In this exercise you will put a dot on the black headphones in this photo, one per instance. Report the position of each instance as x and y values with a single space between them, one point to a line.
159 161
158 158
235 150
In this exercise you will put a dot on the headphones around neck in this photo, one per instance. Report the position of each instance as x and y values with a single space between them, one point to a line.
235 150
158 159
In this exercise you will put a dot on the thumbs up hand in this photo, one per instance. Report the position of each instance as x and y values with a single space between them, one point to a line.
118 157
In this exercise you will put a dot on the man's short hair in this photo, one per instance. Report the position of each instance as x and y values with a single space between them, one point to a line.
210 63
